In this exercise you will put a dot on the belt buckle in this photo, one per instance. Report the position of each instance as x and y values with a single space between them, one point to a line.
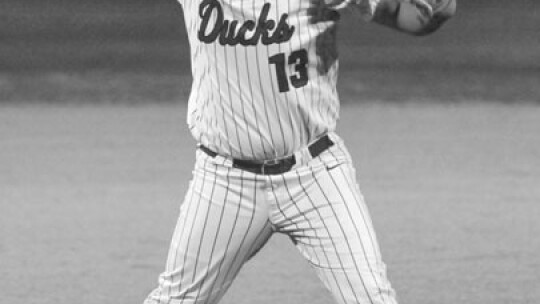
270 162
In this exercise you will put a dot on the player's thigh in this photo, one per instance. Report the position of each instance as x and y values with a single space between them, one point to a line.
218 229
340 241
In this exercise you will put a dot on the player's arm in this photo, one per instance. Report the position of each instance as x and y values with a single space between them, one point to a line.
417 17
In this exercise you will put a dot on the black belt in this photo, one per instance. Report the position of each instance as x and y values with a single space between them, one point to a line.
275 166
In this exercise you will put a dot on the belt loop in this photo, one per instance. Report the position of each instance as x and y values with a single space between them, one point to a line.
222 160
303 156
225 161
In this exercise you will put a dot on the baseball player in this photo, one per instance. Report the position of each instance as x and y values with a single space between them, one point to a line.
263 109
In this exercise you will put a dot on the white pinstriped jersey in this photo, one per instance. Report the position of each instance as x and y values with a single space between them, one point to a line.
264 73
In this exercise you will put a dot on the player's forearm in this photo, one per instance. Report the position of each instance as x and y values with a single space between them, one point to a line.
414 16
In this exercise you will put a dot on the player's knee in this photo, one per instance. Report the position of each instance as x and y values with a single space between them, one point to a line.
380 291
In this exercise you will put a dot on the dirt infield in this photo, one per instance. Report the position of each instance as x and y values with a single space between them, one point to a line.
89 196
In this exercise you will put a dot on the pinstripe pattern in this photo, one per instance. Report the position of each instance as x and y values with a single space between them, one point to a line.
229 214
264 87
237 105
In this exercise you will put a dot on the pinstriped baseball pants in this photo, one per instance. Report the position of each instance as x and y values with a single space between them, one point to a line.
229 214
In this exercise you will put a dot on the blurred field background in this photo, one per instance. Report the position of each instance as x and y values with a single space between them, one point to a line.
95 156
136 51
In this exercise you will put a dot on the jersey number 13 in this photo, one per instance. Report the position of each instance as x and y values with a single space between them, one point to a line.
299 78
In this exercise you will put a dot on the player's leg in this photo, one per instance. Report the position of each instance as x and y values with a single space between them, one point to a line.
219 227
336 232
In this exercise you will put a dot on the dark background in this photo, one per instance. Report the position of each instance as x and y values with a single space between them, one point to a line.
136 51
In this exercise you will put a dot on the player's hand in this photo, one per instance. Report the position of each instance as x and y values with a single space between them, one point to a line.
432 14
423 6
417 17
